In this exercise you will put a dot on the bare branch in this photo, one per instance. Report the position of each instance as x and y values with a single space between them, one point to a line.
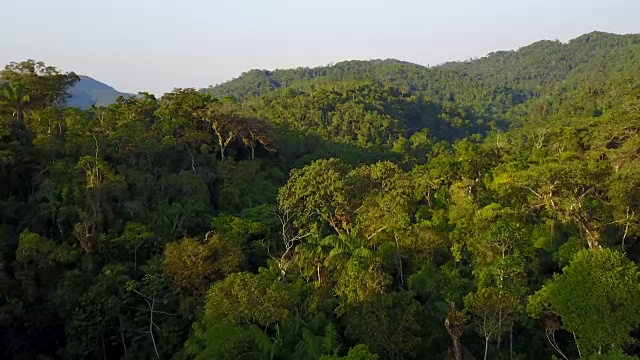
376 232
290 237
535 193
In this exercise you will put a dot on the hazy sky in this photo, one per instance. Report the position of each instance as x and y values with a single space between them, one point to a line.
156 45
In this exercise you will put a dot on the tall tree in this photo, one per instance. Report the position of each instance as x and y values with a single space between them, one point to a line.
15 98
45 85
597 297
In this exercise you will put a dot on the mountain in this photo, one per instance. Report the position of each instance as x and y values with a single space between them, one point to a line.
257 82
524 71
89 91
383 101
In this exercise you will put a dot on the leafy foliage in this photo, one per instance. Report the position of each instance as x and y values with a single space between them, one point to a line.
363 210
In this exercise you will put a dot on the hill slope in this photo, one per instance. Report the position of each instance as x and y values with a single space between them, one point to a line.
382 101
257 82
542 63
89 91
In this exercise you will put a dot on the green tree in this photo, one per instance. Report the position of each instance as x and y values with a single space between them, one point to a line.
491 308
358 352
596 297
318 194
15 98
45 85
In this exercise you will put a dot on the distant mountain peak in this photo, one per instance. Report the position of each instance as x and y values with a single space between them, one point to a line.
89 91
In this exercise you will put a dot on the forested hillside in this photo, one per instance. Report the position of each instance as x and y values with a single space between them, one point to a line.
365 210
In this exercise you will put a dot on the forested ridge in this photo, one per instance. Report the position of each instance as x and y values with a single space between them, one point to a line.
486 209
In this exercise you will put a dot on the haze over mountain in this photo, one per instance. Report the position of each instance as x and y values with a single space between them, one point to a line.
89 91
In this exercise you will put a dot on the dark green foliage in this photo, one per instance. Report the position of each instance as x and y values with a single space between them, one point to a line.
365 210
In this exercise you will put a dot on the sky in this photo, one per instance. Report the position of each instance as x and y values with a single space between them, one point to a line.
158 45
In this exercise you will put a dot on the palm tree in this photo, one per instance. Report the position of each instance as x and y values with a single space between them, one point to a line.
345 247
312 253
15 97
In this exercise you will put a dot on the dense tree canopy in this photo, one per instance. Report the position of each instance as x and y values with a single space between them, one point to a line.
364 210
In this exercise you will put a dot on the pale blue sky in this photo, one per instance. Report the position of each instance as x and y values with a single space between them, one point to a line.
156 45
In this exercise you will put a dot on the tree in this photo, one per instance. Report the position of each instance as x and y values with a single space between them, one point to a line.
242 317
101 183
254 131
569 189
491 308
14 96
386 204
247 298
441 290
134 236
358 352
45 85
311 256
152 290
597 297
387 324
361 278
189 263
318 193
193 263
223 117
454 323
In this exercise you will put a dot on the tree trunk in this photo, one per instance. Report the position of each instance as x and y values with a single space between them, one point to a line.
486 347
400 270
457 349
135 258
104 350
124 343
578 346
193 162
626 229
499 326
511 342
593 241
151 323
453 323
401 273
